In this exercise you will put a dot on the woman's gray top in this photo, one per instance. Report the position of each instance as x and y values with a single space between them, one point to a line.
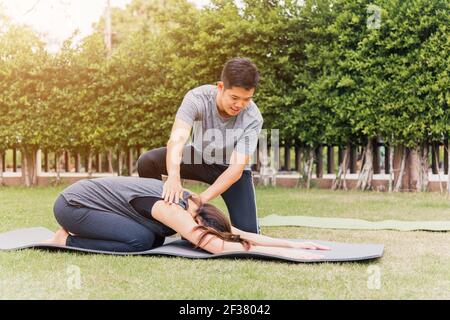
113 194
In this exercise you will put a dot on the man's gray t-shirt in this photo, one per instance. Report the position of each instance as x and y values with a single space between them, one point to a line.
113 194
215 136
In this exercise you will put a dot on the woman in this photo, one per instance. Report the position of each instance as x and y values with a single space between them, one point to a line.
127 214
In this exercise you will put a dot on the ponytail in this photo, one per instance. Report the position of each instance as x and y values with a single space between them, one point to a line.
214 223
225 236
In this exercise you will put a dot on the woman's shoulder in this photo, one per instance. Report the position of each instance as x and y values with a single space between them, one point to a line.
129 179
119 181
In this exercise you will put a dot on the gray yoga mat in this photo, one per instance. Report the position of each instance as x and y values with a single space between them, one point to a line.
355 224
30 238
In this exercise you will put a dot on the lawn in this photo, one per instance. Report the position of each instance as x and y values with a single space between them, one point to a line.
416 265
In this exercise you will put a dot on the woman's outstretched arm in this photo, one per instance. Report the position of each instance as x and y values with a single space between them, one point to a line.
261 240
182 222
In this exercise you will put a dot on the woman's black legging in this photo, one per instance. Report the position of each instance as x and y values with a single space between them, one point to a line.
102 230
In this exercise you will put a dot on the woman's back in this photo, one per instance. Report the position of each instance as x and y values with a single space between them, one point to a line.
114 194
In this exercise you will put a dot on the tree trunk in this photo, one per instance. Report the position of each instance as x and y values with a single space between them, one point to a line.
129 158
353 159
287 156
14 160
24 165
66 161
110 161
98 162
402 171
77 162
366 176
46 162
422 180
29 172
436 155
119 162
89 168
346 167
309 167
319 161
58 155
391 168
330 159
298 158
32 170
448 172
2 154
360 168
376 156
339 181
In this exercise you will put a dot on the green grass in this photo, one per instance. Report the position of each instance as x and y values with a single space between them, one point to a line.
415 264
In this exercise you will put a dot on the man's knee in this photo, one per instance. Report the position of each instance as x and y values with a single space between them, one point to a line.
149 164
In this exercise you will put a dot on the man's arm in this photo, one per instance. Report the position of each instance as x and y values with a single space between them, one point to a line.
172 190
239 159
232 174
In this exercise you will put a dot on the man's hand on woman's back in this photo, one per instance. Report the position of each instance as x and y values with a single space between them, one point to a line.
172 190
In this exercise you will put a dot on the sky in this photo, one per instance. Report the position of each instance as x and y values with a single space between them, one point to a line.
56 20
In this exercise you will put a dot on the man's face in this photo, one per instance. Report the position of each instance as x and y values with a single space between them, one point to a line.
233 100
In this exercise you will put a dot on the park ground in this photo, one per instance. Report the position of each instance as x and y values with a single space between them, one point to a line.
415 265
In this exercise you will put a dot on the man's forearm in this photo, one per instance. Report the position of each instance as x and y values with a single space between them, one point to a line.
223 182
173 158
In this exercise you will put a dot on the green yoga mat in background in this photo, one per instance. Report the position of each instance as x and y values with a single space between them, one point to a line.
354 224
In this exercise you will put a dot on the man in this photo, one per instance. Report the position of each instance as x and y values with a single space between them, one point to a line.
226 124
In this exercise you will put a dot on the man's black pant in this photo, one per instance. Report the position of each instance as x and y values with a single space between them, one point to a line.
239 198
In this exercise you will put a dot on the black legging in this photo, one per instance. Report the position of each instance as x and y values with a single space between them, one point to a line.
239 198
107 231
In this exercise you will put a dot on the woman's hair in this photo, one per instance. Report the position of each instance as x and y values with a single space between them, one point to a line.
214 223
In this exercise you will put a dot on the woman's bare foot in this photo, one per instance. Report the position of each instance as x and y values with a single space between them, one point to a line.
59 238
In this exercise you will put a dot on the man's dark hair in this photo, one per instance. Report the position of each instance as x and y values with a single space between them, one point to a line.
240 72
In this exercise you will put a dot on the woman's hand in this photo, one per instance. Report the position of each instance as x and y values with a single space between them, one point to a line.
309 246
298 254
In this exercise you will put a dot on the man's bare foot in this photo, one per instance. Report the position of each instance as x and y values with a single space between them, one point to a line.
59 238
